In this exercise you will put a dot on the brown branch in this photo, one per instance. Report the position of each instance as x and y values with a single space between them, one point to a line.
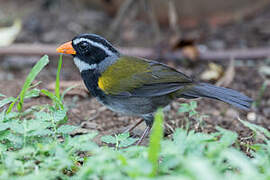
173 17
40 49
29 49
153 20
121 14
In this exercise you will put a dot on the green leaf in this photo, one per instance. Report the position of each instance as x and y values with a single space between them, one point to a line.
67 90
184 108
59 115
201 169
240 161
30 78
5 101
17 140
55 99
192 113
42 116
66 129
32 93
57 81
83 142
109 139
2 115
2 95
16 127
122 136
155 140
127 142
4 126
255 128
12 104
228 137
40 132
85 137
193 104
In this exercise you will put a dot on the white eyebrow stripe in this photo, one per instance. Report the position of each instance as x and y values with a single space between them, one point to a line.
106 49
83 65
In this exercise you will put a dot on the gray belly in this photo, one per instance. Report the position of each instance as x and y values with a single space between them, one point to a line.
135 105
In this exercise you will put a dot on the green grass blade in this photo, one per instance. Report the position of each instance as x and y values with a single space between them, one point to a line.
57 81
67 90
5 101
30 78
155 139
12 104
257 102
53 98
256 128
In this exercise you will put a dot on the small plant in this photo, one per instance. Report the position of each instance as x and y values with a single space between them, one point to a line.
31 138
261 92
120 140
155 142
28 90
36 144
190 109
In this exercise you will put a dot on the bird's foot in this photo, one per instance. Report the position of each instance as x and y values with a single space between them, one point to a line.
145 133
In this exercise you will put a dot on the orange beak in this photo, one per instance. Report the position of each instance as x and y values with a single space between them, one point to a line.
66 48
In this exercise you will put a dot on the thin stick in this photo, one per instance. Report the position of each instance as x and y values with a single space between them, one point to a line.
121 14
133 126
244 54
153 20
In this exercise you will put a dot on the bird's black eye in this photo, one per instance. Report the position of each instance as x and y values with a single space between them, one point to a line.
83 45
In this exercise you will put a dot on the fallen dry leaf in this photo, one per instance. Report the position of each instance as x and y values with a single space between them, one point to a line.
214 72
191 52
265 70
228 75
9 34
187 46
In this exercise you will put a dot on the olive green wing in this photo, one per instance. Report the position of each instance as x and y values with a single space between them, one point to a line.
130 76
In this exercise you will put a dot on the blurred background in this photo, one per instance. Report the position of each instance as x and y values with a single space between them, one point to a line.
222 42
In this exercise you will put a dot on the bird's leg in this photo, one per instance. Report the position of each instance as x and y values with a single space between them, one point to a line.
149 119
134 126
145 133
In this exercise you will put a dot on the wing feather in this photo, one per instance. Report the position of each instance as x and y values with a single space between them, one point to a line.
130 76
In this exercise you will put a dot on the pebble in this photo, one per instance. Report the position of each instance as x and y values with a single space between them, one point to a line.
251 116
266 111
232 113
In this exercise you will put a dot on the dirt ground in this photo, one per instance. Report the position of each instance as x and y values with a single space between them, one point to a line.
90 115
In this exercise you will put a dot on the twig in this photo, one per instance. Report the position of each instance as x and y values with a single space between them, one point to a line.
249 54
29 49
245 54
228 75
153 20
173 17
127 4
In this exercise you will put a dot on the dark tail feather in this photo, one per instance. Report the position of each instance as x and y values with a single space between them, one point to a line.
230 96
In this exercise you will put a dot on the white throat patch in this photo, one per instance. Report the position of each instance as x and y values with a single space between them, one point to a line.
81 65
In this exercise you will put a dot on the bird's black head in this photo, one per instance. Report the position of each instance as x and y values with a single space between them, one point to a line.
92 48
88 50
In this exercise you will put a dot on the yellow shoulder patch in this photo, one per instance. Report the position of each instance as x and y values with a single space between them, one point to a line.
119 76
101 84
105 83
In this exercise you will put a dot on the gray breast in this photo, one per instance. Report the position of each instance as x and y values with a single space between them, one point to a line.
134 105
